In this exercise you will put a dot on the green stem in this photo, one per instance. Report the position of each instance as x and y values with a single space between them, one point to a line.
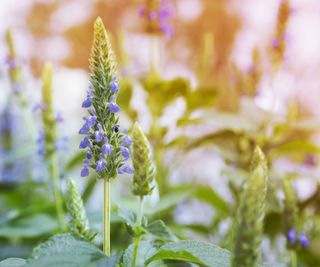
293 256
106 217
135 251
140 211
138 239
57 194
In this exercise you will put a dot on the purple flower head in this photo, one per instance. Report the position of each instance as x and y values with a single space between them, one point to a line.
292 236
125 153
91 120
303 239
125 169
16 87
113 107
106 149
84 129
39 106
275 43
114 87
165 12
87 102
88 155
92 112
100 165
59 117
84 171
85 143
98 135
126 141
142 10
153 15
12 63
166 29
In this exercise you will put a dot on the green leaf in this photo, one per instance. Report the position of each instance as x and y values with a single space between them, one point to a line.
161 232
146 250
197 252
12 262
29 227
66 250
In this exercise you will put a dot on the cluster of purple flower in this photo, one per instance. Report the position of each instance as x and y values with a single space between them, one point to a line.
158 14
293 238
101 142
61 144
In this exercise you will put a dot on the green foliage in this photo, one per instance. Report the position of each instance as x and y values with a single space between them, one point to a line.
144 170
29 227
290 213
201 253
12 262
251 214
69 251
78 224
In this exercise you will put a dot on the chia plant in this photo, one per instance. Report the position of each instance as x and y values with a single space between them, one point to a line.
14 66
144 175
249 228
107 147
48 139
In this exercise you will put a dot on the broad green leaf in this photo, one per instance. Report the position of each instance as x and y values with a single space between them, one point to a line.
197 252
66 250
29 227
146 249
12 262
161 232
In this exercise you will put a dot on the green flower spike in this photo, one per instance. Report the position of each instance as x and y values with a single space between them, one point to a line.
49 136
144 170
251 213
78 224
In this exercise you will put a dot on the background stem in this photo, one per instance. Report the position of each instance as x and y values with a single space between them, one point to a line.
106 217
137 239
57 195
293 256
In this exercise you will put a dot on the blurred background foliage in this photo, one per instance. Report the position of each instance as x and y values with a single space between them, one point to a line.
202 110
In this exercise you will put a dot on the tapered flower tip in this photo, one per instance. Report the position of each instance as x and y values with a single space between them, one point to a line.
258 159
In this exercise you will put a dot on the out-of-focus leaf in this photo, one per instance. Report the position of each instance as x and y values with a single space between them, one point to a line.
67 251
12 262
161 232
197 252
296 147
29 227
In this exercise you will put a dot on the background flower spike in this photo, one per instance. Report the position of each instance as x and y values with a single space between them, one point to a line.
144 169
251 212
78 224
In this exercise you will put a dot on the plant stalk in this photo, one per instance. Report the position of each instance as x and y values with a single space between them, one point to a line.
106 217
137 239
293 256
57 194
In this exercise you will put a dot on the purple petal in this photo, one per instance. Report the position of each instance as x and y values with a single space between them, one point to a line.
86 103
126 141
107 148
84 171
113 107
84 143
125 153
303 240
114 87
100 165
88 155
